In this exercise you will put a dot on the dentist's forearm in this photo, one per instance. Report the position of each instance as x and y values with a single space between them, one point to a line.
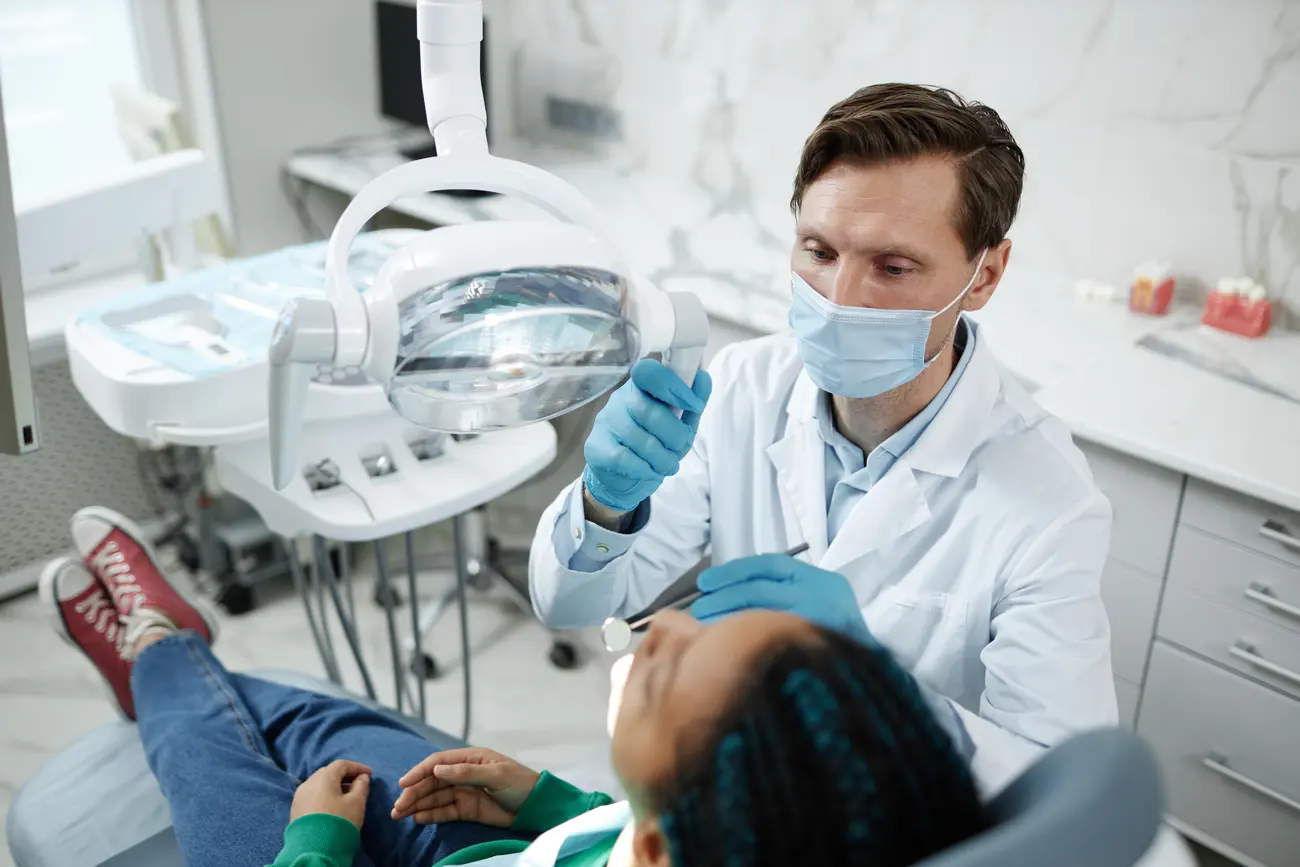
614 520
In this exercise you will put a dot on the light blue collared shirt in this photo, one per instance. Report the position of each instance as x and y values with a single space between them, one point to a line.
848 475
588 547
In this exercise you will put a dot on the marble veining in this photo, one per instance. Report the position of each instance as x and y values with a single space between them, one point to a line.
1151 128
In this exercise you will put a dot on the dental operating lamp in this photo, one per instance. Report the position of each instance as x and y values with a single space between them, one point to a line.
483 326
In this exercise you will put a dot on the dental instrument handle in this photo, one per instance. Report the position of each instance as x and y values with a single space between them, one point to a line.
642 622
303 338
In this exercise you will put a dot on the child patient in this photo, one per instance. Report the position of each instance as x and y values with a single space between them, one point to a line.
759 740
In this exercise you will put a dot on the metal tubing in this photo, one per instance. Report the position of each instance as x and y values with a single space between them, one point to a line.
417 656
300 586
349 623
462 580
386 597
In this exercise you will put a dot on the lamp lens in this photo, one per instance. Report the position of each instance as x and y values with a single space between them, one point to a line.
508 348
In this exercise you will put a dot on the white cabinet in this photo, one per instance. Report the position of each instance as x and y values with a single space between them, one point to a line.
1202 587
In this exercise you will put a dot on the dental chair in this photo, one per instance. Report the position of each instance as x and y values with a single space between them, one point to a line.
1094 801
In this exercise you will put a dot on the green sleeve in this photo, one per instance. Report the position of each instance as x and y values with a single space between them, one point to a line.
554 802
318 840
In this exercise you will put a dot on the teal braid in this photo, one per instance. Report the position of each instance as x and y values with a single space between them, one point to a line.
828 754
733 800
823 723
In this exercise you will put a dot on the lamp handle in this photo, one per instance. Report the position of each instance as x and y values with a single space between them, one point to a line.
685 354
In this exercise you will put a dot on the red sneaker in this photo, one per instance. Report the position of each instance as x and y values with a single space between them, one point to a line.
117 553
85 617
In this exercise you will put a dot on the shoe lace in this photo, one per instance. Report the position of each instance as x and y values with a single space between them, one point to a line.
111 565
141 622
99 612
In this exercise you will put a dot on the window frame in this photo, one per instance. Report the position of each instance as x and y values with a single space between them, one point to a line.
171 45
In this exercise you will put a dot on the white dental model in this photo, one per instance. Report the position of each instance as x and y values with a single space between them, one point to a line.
483 326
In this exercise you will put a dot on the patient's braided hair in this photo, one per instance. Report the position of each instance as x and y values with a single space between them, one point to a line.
829 755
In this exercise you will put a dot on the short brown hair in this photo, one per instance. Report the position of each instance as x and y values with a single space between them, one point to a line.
887 122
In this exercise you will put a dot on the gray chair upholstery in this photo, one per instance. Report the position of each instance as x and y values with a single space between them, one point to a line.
1094 801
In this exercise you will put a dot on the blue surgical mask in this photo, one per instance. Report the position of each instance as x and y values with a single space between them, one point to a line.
862 351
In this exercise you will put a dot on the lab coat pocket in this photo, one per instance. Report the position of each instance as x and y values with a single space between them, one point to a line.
927 631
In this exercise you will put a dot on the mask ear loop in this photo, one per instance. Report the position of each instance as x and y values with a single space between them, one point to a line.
960 295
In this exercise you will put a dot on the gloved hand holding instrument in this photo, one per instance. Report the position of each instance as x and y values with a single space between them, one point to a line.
617 633
642 434
778 582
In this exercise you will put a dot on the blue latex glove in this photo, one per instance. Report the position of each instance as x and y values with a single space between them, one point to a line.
777 582
638 440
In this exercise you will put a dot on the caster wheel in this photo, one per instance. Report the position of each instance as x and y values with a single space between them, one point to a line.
236 598
564 655
188 554
383 594
426 667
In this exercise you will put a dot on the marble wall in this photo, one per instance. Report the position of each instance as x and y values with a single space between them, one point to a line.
1152 128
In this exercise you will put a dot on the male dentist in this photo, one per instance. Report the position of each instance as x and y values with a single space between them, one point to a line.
946 513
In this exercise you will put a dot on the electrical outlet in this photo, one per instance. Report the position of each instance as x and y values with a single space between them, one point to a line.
568 96
583 118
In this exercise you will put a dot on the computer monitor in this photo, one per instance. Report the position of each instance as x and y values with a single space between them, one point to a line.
401 89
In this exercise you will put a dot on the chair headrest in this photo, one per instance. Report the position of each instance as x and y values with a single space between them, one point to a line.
1093 801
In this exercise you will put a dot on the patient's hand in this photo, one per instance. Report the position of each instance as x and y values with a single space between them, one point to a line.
340 789
465 785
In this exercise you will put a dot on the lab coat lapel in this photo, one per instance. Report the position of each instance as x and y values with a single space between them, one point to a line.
895 505
800 461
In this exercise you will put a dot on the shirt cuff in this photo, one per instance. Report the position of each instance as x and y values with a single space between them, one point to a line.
583 546
945 712
332 838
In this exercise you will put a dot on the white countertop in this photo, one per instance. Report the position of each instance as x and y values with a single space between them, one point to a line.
1081 357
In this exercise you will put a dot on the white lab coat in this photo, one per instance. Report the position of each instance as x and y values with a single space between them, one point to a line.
976 558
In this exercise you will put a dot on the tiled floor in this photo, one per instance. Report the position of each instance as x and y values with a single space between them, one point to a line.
49 694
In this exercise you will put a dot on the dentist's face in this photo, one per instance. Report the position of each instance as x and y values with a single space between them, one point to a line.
885 236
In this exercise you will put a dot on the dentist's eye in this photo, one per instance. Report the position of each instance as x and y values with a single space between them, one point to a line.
894 269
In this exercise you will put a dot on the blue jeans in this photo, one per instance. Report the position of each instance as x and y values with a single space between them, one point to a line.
229 750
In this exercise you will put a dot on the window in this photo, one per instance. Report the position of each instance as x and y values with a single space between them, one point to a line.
58 60
61 62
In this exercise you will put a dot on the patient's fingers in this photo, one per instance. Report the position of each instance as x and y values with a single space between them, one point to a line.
341 769
446 757
462 805
407 806
423 788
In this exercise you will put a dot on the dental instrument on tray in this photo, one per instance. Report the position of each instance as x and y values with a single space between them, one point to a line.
617 632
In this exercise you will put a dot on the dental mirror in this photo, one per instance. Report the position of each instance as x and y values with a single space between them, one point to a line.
617 633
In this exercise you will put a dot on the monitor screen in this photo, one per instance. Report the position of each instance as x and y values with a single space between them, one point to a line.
401 92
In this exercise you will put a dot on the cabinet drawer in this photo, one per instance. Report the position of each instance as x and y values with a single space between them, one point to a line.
1240 641
1130 596
1237 577
1268 529
1226 747
1145 501
1127 696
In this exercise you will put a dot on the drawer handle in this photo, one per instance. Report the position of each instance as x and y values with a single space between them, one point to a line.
1246 653
1262 594
1219 765
1278 532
